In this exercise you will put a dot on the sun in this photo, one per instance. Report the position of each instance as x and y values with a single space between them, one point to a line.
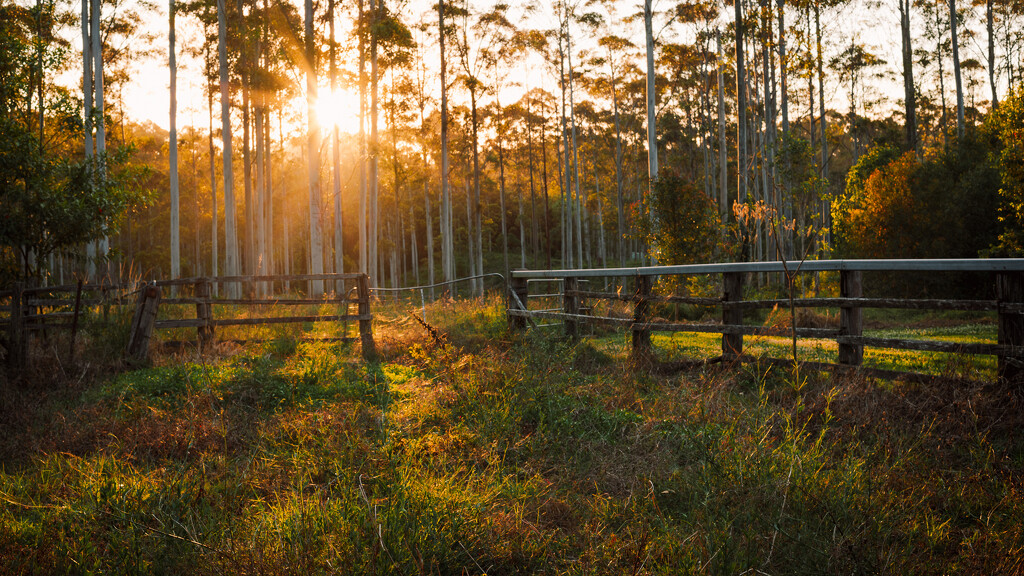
338 108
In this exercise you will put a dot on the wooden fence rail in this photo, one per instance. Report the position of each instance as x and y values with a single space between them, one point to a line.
32 310
1009 306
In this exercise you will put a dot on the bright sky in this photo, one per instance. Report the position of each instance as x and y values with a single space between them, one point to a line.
146 98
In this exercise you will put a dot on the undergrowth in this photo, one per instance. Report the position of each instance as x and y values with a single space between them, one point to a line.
468 450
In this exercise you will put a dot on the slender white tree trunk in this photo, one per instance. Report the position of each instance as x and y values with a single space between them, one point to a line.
316 250
430 236
447 245
652 112
374 232
339 242
575 191
723 160
87 113
960 122
230 221
989 25
173 145
101 125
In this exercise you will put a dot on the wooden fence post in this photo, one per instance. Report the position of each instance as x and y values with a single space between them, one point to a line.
16 332
143 322
74 322
732 291
1010 290
518 292
851 317
204 312
571 306
365 321
642 350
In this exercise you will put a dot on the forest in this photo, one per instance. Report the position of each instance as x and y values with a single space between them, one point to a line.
420 143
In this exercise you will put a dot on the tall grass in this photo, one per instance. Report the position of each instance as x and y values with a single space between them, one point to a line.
475 451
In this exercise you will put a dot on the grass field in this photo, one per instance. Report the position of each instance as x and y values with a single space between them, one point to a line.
478 451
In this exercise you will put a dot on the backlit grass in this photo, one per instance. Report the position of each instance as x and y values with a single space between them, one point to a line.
478 451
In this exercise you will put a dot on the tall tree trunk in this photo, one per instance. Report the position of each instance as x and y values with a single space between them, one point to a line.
565 177
361 163
475 219
316 251
723 160
742 194
787 201
447 245
374 232
534 233
544 180
909 96
248 258
215 234
429 220
230 221
101 124
818 62
960 122
575 193
87 113
501 195
991 52
260 176
620 208
652 134
339 239
173 144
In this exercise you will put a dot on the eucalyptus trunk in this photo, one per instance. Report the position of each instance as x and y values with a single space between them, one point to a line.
173 145
909 96
230 222
723 160
960 122
447 245
989 25
316 251
339 240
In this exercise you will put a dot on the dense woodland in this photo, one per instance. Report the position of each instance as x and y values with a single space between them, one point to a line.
495 136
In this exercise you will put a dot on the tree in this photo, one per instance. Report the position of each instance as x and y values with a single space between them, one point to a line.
316 252
685 231
909 95
652 112
1007 125
50 201
173 144
230 221
956 70
447 243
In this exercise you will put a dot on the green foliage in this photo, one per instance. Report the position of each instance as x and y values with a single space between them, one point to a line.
943 206
1006 124
50 198
685 230
875 158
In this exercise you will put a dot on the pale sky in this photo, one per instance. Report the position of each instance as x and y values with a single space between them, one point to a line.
146 98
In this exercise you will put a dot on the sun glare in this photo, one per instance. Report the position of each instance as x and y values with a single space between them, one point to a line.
338 108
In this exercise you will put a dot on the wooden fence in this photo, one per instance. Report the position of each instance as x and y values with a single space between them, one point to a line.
40 310
1007 275
31 310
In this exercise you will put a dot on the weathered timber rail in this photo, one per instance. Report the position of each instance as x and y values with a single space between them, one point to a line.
32 310
1007 275
349 289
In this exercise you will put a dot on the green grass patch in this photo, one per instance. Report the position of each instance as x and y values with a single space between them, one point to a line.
476 451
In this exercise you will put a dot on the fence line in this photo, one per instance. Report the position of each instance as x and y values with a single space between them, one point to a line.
1009 306
26 310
